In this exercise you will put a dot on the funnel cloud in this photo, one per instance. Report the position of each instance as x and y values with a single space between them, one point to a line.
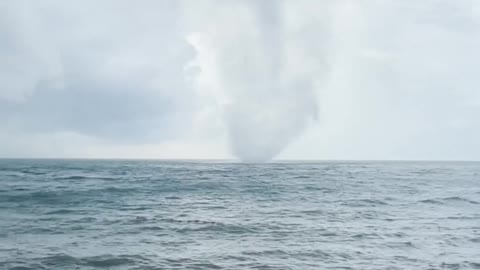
267 105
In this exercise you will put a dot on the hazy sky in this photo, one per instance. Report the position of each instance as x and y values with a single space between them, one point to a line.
291 79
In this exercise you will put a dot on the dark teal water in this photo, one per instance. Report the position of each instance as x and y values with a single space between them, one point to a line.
73 214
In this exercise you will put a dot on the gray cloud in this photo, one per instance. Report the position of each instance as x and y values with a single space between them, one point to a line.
112 69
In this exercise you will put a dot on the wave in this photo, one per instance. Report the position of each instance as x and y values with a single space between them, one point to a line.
217 228
103 261
430 201
60 212
363 202
84 177
460 199
448 199
32 267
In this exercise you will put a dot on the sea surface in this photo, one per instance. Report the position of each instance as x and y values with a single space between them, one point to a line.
113 214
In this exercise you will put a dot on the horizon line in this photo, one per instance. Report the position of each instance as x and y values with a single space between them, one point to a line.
232 160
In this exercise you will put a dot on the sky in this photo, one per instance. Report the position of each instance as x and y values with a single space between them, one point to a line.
240 79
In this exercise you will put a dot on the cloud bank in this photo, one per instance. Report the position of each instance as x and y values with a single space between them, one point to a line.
110 70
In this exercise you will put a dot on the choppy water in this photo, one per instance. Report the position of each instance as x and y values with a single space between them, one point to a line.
58 214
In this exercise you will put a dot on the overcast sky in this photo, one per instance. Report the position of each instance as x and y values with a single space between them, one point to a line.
248 79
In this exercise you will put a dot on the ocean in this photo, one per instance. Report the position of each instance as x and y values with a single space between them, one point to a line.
134 214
